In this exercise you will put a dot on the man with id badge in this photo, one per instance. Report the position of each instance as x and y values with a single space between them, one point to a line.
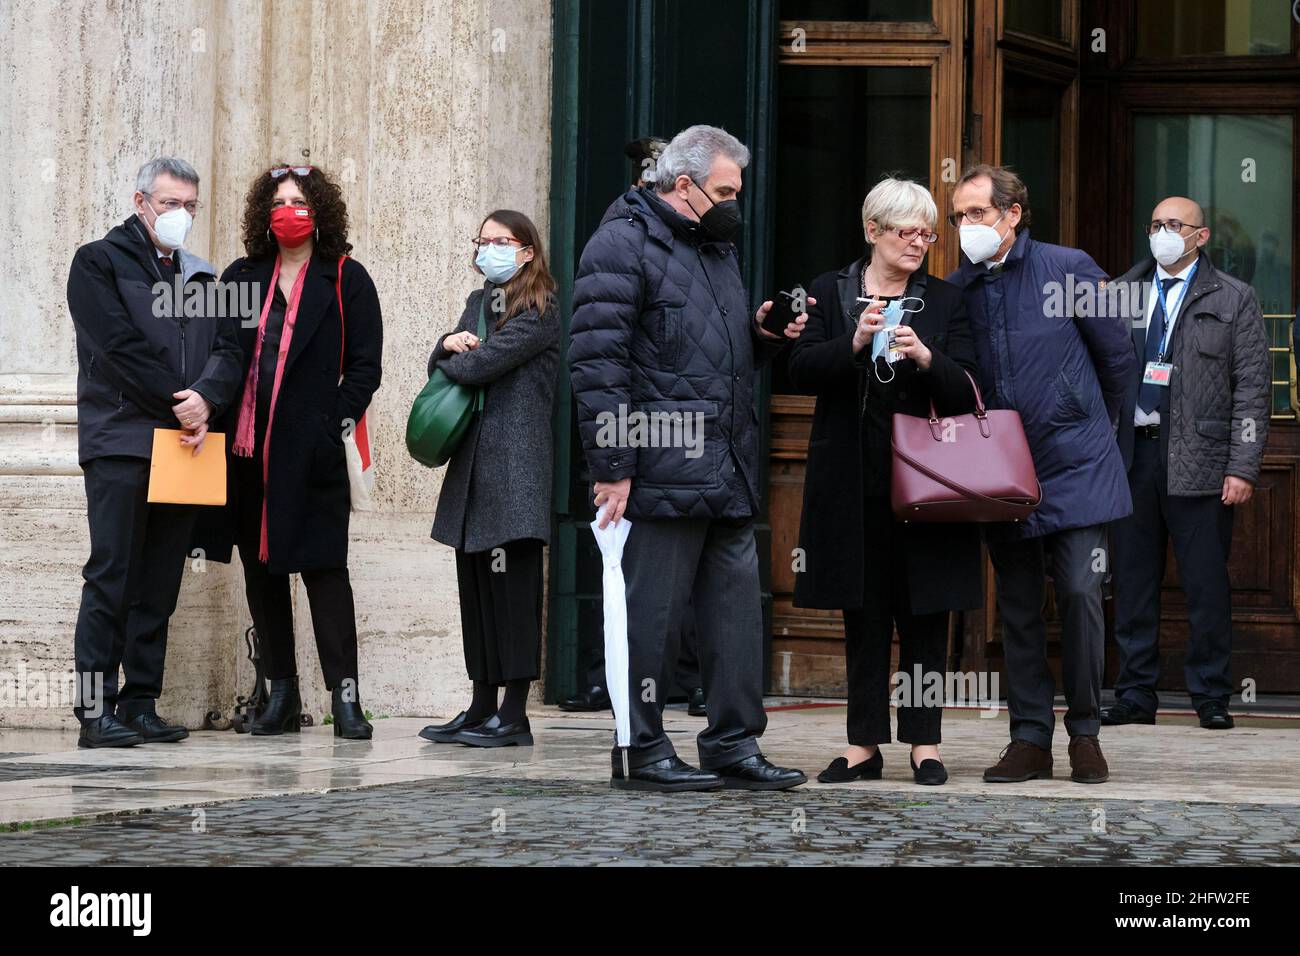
1192 432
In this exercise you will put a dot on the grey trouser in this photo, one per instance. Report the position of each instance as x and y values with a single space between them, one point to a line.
1076 560
713 565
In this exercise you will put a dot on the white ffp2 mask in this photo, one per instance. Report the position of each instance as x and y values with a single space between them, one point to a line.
980 242
1167 248
173 227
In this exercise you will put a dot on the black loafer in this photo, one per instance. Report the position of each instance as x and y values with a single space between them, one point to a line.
591 698
696 705
493 733
1214 716
155 730
446 733
108 731
757 773
931 773
670 775
839 770
1125 712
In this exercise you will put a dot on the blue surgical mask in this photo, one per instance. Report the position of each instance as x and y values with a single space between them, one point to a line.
497 262
894 312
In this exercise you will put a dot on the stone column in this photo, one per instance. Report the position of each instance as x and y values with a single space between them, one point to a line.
430 113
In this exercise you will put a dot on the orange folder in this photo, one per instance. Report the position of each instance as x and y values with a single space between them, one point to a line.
179 477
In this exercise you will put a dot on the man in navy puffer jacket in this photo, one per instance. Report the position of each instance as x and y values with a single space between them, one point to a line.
662 356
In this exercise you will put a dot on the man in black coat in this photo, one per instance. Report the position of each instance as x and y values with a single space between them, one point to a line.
146 359
592 695
662 356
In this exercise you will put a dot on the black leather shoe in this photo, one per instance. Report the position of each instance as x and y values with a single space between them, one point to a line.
349 719
493 733
757 773
695 703
108 731
839 770
594 697
1125 712
446 733
155 730
1214 716
931 773
670 775
282 712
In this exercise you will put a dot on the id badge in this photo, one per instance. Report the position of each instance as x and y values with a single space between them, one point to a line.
1157 373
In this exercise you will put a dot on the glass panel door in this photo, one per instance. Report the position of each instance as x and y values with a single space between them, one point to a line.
865 10
1175 28
842 129
1239 168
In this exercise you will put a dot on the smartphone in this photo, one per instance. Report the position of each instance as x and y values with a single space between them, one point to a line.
781 314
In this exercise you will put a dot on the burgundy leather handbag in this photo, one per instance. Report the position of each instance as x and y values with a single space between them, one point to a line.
973 467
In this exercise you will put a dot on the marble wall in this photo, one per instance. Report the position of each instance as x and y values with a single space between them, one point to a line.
430 112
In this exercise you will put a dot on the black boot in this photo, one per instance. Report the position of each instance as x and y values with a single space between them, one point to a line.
349 719
283 710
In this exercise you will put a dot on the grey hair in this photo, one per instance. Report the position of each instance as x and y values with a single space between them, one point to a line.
691 153
896 202
170 165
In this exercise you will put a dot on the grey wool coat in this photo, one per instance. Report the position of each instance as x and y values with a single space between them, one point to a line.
498 482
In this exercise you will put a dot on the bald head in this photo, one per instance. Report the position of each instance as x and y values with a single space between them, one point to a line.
1180 208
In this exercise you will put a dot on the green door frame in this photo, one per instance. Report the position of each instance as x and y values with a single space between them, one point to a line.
652 33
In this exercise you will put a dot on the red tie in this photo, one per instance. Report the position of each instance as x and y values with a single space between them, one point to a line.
167 261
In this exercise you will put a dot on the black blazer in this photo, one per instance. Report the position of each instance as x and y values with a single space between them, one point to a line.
308 498
942 560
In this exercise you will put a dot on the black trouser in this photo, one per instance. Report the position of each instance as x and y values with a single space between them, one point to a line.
868 640
686 676
132 579
1201 531
329 593
501 611
1076 561
712 565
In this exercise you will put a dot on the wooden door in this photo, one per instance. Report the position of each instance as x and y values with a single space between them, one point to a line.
863 89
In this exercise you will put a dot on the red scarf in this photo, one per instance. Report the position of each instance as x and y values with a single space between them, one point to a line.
244 431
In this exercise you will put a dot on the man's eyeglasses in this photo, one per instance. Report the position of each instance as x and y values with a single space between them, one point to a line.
908 235
1174 226
498 241
973 216
171 205
285 170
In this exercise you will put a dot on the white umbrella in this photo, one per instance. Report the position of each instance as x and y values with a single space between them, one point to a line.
611 539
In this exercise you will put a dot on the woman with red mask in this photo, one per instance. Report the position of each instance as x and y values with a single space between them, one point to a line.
309 374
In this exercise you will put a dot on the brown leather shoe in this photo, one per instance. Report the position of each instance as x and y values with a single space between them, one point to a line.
1020 761
1087 765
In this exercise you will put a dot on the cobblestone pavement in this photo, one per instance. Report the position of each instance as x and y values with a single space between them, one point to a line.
493 821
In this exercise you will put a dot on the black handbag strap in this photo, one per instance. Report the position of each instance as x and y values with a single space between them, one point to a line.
481 391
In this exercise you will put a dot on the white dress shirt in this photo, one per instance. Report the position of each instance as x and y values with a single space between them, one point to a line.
1174 299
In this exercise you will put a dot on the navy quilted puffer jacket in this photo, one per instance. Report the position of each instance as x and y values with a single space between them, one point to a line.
661 326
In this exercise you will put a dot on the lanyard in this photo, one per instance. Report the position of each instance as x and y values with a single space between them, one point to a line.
1169 322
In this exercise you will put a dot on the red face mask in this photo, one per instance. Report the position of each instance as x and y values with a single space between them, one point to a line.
292 225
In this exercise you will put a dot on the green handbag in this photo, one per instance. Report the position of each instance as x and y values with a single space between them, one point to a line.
442 412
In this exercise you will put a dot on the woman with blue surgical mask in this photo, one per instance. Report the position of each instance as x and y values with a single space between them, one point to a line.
494 509
883 337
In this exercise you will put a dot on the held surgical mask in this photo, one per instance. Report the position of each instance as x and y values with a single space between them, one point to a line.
171 228
882 343
979 241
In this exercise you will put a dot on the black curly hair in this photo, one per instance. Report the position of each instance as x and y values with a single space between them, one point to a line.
324 197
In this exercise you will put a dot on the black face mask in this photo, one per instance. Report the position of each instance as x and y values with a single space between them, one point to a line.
722 220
